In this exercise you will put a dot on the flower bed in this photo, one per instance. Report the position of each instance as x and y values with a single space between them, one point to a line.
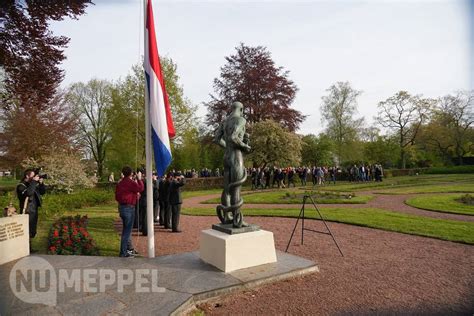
68 236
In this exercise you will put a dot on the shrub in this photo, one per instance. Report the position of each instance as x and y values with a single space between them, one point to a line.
66 172
68 236
57 203
450 170
467 199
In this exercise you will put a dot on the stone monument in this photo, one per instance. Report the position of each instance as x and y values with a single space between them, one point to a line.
14 238
233 244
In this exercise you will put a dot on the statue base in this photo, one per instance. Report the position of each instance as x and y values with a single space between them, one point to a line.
231 230
230 252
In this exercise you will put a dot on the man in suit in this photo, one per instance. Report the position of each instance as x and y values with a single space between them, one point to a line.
161 200
166 200
176 200
156 202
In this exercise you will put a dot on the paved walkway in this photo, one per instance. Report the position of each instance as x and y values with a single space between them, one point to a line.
381 272
394 203
182 281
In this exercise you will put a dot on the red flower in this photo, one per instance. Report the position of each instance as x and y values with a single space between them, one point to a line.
56 233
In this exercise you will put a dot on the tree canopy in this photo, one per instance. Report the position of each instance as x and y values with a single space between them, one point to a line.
251 77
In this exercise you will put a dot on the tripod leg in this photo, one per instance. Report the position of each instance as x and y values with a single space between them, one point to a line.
302 220
294 229
327 227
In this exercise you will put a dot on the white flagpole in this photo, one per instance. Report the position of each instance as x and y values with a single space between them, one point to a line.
148 153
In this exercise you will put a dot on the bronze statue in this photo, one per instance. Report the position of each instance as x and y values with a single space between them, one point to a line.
231 135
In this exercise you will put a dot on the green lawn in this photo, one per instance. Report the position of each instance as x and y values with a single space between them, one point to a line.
441 203
433 188
402 183
295 197
456 231
188 194
101 229
8 181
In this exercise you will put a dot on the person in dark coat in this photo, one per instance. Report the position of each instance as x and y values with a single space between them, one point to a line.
161 200
175 201
29 192
166 200
156 203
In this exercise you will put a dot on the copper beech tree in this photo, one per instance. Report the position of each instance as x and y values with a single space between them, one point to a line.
33 114
251 77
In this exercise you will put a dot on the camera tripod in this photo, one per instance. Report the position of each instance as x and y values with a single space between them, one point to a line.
302 217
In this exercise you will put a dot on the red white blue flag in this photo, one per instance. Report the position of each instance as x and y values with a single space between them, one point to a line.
156 98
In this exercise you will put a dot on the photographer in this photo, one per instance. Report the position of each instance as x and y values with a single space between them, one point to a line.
29 192
176 200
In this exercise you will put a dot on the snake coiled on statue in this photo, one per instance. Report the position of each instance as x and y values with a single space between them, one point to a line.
237 217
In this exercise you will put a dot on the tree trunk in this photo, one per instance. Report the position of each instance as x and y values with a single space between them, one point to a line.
403 158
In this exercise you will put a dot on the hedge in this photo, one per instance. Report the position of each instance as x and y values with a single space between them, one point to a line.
449 170
55 204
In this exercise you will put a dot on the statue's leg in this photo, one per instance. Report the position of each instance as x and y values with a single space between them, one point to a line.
237 174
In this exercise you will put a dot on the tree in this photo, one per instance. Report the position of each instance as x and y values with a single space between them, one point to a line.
127 116
436 137
251 77
316 151
92 102
383 150
31 132
274 145
30 53
456 111
338 110
403 115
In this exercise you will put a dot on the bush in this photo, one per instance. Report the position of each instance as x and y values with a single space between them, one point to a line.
57 203
68 236
450 170
467 199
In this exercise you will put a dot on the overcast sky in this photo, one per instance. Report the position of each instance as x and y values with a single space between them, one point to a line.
380 47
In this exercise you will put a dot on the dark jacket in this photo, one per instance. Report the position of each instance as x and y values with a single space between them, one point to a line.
33 190
164 191
175 192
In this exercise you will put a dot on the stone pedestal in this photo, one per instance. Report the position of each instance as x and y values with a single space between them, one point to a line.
14 238
237 251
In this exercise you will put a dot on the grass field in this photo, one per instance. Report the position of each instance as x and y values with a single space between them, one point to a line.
456 231
433 188
295 197
101 229
447 203
390 185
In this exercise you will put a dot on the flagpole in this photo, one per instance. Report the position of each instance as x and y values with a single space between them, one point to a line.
148 153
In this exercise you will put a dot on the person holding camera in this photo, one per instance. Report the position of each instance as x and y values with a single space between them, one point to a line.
29 192
176 200
127 194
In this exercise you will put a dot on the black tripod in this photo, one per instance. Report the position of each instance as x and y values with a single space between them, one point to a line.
302 217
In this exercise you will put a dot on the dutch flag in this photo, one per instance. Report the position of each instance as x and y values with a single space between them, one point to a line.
156 99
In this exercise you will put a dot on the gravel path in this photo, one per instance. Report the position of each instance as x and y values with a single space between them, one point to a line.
381 272
394 203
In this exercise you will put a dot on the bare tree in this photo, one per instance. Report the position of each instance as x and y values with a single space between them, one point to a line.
91 102
403 114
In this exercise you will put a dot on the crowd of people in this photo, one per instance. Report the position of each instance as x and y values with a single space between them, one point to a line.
265 178
131 195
